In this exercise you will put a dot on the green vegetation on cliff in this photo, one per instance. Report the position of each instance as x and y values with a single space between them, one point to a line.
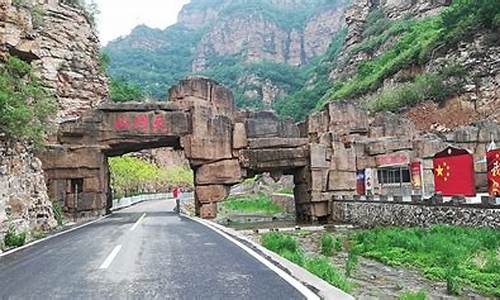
415 45
25 103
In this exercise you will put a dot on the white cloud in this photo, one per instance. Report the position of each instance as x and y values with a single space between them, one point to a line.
119 17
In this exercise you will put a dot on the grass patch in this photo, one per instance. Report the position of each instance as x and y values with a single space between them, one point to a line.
58 213
260 203
420 295
286 191
431 86
13 238
288 247
327 242
459 256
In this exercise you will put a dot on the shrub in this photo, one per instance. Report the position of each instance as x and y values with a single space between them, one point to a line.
351 263
25 104
321 267
58 213
420 295
287 247
123 91
327 244
432 86
279 242
14 239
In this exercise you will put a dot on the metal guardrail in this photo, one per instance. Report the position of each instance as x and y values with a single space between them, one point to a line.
128 201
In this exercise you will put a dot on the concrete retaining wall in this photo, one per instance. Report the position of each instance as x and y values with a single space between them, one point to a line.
368 214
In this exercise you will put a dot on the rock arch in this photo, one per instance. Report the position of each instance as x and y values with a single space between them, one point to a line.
223 145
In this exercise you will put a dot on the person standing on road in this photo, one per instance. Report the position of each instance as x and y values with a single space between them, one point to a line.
177 194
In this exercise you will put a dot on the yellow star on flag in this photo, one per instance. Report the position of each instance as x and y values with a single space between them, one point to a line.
440 171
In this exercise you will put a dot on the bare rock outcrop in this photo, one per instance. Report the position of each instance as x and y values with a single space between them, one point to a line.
24 202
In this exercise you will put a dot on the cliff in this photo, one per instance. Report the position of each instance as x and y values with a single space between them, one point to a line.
258 48
56 42
446 51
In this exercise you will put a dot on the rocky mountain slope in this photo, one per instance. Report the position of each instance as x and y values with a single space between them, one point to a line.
436 62
259 48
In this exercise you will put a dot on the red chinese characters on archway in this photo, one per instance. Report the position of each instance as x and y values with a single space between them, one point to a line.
159 124
122 122
140 123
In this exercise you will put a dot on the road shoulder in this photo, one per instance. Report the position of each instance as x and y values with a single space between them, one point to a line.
311 286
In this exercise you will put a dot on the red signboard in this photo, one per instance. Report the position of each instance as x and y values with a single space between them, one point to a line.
393 159
493 158
454 173
141 122
416 175
360 183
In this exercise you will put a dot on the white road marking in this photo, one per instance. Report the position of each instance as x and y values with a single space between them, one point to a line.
138 221
110 257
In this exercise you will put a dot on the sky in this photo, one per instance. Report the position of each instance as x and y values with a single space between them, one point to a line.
119 17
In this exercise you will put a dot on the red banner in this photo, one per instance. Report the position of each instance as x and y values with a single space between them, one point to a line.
454 173
360 183
416 175
493 158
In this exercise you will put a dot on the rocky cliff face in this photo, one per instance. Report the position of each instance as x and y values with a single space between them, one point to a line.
59 43
234 42
253 36
23 194
477 53
63 48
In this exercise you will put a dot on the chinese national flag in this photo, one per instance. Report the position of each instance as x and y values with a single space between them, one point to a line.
493 158
454 173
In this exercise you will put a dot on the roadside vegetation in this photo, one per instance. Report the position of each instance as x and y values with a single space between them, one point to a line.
25 104
466 260
420 295
132 176
288 247
459 256
254 204
14 238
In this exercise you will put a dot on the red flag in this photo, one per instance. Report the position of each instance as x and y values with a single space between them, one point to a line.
454 173
493 159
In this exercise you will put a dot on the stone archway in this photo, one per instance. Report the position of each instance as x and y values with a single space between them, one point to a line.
223 145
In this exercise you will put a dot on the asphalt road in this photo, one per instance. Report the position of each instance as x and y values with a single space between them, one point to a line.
162 256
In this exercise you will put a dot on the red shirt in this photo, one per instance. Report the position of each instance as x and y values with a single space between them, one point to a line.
176 192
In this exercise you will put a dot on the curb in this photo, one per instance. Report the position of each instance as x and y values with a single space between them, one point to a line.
320 287
52 236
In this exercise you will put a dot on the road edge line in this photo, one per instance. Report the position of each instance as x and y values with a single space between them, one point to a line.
299 286
12 251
